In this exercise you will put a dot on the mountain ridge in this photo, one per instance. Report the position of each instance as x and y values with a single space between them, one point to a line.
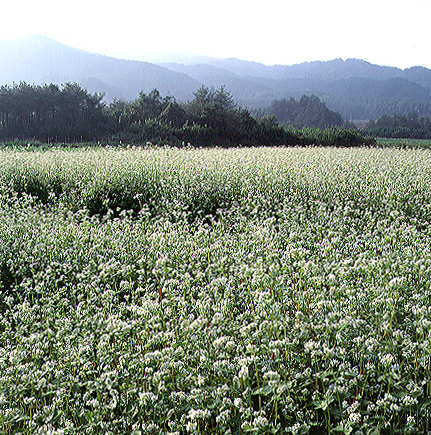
39 59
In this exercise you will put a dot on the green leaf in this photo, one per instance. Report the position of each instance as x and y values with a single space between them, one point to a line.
263 391
304 429
54 416
322 404
426 404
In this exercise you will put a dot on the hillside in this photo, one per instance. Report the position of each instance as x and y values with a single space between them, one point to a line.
38 59
355 88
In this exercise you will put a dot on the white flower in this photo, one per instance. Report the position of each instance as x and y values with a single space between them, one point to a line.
237 402
243 373
354 418
223 417
199 414
271 377
409 400
191 426
261 421
220 341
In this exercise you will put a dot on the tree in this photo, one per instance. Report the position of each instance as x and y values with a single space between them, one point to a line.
217 111
38 112
409 126
308 111
173 115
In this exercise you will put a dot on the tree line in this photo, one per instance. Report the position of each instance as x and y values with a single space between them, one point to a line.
409 126
48 111
68 113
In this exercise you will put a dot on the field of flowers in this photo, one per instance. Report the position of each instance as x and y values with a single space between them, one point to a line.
236 291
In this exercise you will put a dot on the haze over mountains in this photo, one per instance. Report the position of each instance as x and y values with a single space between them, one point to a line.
355 88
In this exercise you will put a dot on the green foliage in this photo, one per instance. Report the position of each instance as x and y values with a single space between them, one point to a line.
50 113
333 136
308 111
212 118
404 143
149 118
268 131
227 124
408 126
299 305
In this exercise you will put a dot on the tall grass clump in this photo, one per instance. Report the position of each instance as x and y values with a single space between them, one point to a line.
265 290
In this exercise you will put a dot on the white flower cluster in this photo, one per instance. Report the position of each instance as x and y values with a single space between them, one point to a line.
261 290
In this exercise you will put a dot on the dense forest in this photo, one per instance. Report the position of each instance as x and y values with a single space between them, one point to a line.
69 113
308 111
46 112
409 126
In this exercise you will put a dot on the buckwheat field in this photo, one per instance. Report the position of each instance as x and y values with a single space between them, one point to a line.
215 291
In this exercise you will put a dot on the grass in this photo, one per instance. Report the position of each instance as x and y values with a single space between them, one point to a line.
265 290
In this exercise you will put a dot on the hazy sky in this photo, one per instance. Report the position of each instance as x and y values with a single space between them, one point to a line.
384 32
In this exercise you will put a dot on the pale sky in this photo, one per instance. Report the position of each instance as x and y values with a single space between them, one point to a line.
395 33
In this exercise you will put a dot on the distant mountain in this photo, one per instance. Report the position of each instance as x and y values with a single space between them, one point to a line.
419 75
200 71
182 58
38 59
355 88
336 69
